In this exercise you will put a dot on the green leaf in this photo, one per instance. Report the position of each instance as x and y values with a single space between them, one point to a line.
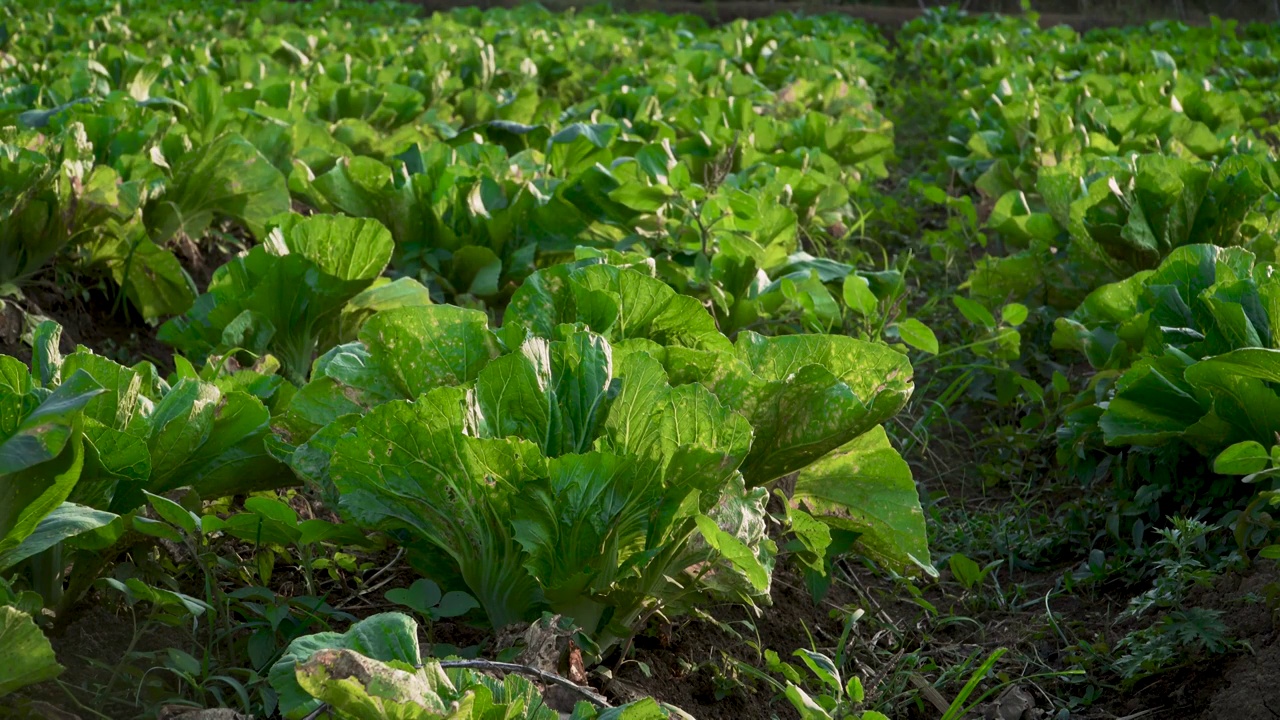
1243 458
409 465
422 596
917 335
360 687
151 276
476 271
180 424
155 528
34 432
66 521
735 551
579 146
32 119
974 312
455 603
42 457
853 689
1255 362
809 395
1150 407
270 521
814 536
135 591
805 705
1013 314
365 187
618 303
858 296
399 293
385 637
642 198
421 348
935 194
227 178
1164 61
284 295
821 666
965 571
645 709
866 487
174 514
46 360
232 459
28 655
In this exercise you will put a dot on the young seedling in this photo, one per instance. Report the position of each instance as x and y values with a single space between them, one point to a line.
967 573
425 598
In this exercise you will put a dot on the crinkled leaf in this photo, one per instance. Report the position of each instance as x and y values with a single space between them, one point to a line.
360 687
384 637
27 653
408 465
865 486
227 178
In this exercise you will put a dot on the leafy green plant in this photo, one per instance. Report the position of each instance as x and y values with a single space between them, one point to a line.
623 473
375 671
89 440
284 295
31 654
835 700
43 450
425 598
244 627
580 553
1123 215
1179 566
1182 563
1186 353
111 217
1172 641
48 198
749 375
967 572
275 531
228 177
742 239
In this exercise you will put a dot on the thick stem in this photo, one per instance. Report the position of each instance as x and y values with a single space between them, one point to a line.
46 574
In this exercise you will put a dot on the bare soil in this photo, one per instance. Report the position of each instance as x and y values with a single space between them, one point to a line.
1247 685
91 319
685 663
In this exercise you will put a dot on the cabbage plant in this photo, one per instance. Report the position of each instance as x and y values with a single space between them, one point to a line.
83 439
1188 354
606 453
375 671
288 295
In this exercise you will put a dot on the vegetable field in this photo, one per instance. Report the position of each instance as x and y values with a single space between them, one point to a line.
362 363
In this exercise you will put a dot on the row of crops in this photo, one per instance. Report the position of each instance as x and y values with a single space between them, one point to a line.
526 293
1131 182
590 316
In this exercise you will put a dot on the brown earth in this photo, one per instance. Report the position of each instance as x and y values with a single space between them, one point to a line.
90 318
1246 685
685 663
